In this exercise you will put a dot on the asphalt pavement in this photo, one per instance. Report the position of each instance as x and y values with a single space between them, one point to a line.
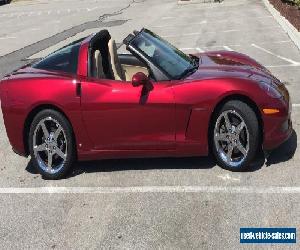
185 203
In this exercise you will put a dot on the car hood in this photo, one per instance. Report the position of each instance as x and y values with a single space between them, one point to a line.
229 64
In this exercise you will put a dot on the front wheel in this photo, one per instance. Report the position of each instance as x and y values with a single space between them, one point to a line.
51 144
235 136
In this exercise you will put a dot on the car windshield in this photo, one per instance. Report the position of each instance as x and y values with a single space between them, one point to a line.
164 55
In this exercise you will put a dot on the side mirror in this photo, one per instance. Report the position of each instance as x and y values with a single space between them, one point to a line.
139 79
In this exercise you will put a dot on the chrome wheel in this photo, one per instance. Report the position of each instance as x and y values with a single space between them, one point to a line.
231 138
50 145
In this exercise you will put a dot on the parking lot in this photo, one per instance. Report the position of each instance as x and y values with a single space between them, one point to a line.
148 203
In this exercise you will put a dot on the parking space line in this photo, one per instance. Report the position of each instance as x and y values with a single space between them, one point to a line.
200 50
283 66
278 56
227 48
296 105
211 32
227 31
7 37
193 49
190 23
277 42
175 26
197 15
153 189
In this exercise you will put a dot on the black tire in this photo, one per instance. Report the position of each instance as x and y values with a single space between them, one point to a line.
251 121
70 149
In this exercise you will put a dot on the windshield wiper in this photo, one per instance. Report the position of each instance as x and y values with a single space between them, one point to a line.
195 60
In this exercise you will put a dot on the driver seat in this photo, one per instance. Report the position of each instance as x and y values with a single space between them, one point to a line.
116 67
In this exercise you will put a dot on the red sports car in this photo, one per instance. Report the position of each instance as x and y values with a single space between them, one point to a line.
87 102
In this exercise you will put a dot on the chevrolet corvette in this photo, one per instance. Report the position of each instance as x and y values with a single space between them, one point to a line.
86 102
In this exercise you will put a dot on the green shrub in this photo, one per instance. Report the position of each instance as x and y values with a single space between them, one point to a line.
297 2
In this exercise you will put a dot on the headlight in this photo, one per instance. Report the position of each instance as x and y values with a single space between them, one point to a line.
270 89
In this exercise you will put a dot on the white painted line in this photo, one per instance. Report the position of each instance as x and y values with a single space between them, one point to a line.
196 23
187 49
34 29
167 17
276 42
154 189
176 25
91 9
7 37
211 32
278 56
193 49
186 34
228 48
229 178
296 105
226 31
283 66
200 50
222 46
293 33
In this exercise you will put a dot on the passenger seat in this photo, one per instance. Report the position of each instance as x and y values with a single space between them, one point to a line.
97 67
114 61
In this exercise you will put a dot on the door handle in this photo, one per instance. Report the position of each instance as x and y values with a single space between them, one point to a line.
78 87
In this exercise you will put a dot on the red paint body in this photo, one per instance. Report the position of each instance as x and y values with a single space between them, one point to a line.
110 120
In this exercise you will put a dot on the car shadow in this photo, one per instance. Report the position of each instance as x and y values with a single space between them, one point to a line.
114 165
141 164
283 153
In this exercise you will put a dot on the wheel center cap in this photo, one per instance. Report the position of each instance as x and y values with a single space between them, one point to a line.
50 144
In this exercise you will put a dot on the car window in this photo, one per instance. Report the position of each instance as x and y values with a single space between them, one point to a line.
65 59
167 57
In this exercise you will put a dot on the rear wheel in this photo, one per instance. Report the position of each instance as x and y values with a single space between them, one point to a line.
235 136
51 144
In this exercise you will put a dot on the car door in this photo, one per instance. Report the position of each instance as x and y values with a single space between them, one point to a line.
118 116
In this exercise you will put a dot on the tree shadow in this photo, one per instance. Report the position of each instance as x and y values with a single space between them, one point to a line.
283 153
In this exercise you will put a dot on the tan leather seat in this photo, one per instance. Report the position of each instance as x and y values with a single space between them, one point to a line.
114 61
97 68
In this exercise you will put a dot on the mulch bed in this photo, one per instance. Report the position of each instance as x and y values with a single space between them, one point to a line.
289 11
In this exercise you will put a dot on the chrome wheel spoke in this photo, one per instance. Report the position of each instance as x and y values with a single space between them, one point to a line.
241 148
60 153
45 130
40 148
229 152
231 138
50 145
227 122
57 132
50 157
240 127
221 137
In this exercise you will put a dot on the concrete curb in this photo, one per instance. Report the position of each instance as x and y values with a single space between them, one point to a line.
293 33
